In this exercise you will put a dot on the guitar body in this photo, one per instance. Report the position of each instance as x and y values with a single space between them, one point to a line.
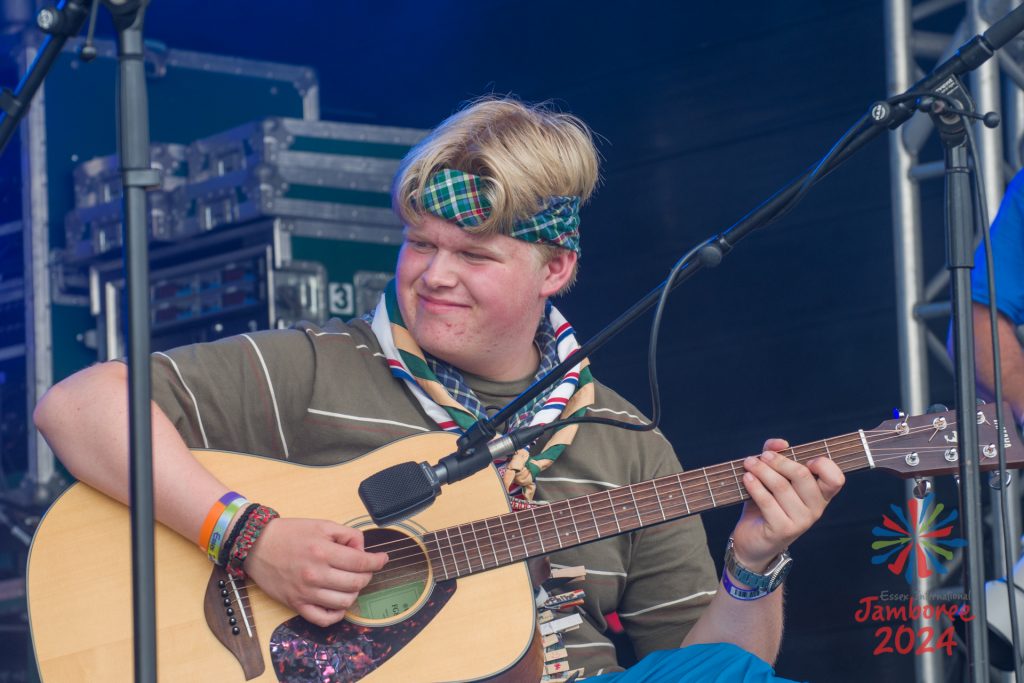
477 627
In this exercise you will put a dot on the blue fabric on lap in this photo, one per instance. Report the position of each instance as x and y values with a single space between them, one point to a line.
712 663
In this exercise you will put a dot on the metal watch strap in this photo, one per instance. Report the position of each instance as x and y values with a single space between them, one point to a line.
768 581
745 594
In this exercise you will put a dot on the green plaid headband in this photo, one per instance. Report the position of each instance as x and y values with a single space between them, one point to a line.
459 197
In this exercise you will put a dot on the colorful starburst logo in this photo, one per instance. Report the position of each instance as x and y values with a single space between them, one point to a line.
917 547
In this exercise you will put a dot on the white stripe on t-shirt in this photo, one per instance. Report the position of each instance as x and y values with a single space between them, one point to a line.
358 418
581 481
199 417
273 396
667 604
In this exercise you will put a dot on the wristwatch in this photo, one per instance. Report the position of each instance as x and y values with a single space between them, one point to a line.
760 584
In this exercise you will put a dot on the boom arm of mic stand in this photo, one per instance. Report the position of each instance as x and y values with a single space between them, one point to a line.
972 54
73 14
484 430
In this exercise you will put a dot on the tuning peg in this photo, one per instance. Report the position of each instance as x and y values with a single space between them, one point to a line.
937 408
979 401
922 487
993 480
901 427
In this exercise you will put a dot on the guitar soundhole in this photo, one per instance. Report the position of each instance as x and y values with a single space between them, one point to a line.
401 587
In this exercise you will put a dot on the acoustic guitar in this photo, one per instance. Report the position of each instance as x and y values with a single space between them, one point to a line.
456 574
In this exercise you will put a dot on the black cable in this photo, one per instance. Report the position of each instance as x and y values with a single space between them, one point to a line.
529 434
821 169
981 212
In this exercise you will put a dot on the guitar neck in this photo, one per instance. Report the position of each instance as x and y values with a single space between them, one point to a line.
497 541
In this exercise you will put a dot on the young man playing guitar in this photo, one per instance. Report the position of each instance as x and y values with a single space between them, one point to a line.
490 201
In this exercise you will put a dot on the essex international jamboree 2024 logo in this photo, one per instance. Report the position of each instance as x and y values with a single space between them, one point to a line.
917 541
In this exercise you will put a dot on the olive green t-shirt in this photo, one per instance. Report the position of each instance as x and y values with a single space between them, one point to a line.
325 395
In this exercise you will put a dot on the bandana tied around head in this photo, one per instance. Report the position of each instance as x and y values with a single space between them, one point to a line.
460 198
444 395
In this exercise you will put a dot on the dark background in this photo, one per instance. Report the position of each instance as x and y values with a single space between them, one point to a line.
703 109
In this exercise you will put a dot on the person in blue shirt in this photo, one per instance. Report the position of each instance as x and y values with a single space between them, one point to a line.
1008 259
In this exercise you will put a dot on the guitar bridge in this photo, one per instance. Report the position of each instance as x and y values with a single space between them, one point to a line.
226 606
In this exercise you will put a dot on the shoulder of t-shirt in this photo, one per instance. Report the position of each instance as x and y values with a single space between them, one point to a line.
357 328
608 403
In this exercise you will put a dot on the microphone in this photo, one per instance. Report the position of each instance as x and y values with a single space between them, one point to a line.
402 490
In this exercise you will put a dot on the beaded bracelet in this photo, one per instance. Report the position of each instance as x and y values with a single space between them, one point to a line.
213 516
254 526
229 542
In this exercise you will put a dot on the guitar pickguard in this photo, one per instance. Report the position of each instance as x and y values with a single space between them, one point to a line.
345 652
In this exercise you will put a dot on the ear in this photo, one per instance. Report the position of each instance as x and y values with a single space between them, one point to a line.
558 271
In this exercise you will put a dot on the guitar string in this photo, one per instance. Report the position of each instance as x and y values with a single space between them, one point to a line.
641 510
731 476
853 439
841 443
726 473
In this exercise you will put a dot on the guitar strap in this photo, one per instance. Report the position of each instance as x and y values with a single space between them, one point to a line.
443 393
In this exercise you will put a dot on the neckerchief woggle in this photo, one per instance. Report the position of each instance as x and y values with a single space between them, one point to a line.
444 396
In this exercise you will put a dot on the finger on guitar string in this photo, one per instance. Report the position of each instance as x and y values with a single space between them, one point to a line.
316 567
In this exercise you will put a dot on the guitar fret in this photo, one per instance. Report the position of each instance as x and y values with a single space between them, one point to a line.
522 536
597 525
572 518
657 498
479 550
434 553
636 506
455 557
626 507
615 515
827 451
508 544
682 492
739 489
713 503
444 565
494 550
539 536
465 549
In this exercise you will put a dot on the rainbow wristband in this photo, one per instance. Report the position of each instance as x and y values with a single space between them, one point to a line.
219 531
213 516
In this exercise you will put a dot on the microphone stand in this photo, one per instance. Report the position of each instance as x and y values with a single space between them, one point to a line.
959 220
133 149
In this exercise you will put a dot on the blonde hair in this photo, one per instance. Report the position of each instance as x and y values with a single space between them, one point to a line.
527 153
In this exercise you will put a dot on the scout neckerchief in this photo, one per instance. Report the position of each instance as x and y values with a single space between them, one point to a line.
443 393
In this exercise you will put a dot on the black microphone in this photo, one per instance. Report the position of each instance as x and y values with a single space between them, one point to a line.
402 490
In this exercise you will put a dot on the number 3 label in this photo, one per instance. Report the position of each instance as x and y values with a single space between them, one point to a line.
341 298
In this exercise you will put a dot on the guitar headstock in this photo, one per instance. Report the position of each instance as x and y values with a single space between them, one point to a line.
928 445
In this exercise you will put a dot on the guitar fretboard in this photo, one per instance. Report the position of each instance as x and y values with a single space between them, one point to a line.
497 541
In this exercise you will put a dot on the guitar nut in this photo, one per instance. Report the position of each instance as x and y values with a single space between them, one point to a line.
952 455
989 451
939 423
913 459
